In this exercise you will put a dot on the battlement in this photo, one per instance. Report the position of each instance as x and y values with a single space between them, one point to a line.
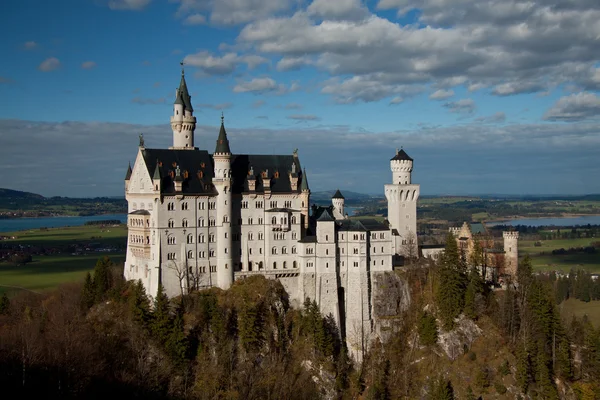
455 231
510 235
402 165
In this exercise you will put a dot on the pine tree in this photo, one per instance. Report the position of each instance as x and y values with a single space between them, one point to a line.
523 369
177 343
139 304
4 304
251 326
476 258
475 290
441 389
162 323
101 278
88 292
450 294
428 332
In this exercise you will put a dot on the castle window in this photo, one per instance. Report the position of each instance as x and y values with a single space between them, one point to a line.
274 264
261 236
171 223
250 251
211 222
381 262
294 250
249 221
190 239
274 250
288 204
293 219
382 249
327 266
190 255
226 235
201 222
260 221
284 250
355 250
226 252
211 238
273 204
356 263
284 264
260 250
294 235
200 238
250 236
184 223
274 220
258 204
211 253
201 205
326 252
184 206
294 264
326 238
244 204
201 254
373 236
170 239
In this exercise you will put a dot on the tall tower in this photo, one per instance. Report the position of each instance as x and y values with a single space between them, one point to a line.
402 198
183 122
338 205
222 182
511 253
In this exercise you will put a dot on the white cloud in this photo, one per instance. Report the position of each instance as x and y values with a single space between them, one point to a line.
365 88
462 106
49 64
338 9
495 118
194 19
259 85
30 45
223 65
88 65
231 12
575 107
134 5
396 100
441 94
292 63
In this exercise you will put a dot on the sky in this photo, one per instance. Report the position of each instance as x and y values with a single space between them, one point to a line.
487 96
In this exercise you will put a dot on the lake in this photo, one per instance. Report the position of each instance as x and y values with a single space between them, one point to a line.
19 224
567 221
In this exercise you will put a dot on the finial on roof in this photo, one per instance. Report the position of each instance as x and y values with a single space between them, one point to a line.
222 118
141 140
397 151
182 63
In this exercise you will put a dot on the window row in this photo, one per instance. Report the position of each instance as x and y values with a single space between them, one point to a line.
139 239
284 250
138 222
381 235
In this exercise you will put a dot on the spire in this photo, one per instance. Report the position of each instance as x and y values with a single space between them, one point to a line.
304 184
128 174
338 195
182 91
222 141
157 172
401 155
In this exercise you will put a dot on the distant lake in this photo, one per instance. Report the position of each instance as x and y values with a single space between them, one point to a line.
20 224
568 221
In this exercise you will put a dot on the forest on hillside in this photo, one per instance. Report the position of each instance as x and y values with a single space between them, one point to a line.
105 337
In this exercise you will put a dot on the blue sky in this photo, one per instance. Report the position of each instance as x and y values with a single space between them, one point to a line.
499 96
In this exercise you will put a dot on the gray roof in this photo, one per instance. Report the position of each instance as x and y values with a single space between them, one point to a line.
402 156
140 212
304 181
222 141
365 225
338 195
280 209
325 216
197 169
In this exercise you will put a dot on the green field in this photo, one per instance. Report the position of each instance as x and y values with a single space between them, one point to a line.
579 309
548 261
48 272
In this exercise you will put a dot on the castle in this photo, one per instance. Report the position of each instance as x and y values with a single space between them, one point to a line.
198 220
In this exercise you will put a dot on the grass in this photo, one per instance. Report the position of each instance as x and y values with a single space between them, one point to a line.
543 260
48 272
578 308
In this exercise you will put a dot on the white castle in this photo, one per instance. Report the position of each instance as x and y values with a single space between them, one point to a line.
198 220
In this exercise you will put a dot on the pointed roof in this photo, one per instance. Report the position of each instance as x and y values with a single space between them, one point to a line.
178 98
128 174
156 175
304 183
182 91
338 195
402 156
222 141
325 216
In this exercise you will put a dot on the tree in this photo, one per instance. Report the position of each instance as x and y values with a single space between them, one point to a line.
409 248
88 294
101 278
139 304
162 323
476 256
450 293
428 332
474 294
441 389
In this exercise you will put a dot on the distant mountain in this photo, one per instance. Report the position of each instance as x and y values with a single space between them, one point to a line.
9 194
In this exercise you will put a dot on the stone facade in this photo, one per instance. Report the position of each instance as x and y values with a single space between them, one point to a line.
198 220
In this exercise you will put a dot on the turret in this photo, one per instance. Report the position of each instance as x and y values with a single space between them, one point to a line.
156 178
222 182
305 196
183 122
511 253
401 166
338 205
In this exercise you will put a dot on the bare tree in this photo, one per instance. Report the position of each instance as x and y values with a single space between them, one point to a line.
409 247
181 273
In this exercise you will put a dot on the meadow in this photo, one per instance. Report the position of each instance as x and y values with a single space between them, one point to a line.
543 259
46 272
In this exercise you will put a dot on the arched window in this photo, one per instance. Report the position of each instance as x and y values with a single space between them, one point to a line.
284 264
184 223
274 264
171 223
274 250
260 265
294 265
190 239
284 250
190 254
294 250
170 239
274 220
293 219
250 236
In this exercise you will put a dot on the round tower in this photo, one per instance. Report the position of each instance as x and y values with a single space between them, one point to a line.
222 181
183 122
401 166
511 252
338 205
